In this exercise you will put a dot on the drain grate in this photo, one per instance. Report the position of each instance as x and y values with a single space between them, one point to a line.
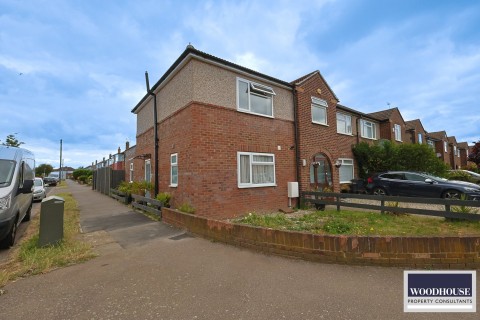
181 236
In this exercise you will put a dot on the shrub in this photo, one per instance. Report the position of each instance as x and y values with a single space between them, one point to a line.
82 178
164 198
187 208
81 172
459 175
135 187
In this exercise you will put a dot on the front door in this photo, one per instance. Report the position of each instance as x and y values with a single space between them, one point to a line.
148 175
320 172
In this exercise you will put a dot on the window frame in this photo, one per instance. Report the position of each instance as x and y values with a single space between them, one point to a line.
321 105
344 164
398 132
445 146
172 166
419 138
259 90
363 123
252 163
131 172
347 125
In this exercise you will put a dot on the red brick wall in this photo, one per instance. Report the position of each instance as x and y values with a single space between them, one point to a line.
207 139
412 252
315 138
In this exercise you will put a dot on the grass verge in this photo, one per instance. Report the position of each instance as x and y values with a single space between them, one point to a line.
362 223
28 259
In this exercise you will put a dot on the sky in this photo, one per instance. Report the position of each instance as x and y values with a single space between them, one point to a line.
73 70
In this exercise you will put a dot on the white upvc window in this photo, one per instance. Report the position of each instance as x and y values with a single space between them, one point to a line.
398 132
174 170
431 144
420 138
344 124
445 146
148 171
254 98
346 170
131 172
319 111
255 169
458 153
454 150
368 129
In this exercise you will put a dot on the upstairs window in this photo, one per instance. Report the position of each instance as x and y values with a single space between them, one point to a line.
398 132
368 129
254 98
420 138
319 111
344 123
445 146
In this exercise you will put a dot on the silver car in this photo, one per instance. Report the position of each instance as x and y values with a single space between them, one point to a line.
39 192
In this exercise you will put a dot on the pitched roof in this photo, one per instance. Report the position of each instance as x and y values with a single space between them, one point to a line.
439 135
414 124
189 52
462 145
361 114
452 139
385 115
301 80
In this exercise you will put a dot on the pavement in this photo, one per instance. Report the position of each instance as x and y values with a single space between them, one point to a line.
149 270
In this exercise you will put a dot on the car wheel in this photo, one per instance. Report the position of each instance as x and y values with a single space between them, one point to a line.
379 191
9 240
452 194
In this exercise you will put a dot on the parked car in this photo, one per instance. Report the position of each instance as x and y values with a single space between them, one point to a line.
39 191
50 181
17 172
473 176
415 184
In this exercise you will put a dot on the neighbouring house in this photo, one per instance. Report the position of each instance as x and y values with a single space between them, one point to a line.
454 153
440 140
415 131
129 157
463 149
392 125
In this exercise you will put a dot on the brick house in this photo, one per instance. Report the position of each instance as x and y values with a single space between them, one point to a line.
440 141
392 125
226 136
463 149
454 153
415 131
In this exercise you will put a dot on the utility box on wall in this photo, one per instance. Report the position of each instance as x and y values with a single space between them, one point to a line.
293 190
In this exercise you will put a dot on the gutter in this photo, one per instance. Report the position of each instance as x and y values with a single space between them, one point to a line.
155 131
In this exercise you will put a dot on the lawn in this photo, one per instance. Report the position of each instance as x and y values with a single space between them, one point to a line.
362 223
29 259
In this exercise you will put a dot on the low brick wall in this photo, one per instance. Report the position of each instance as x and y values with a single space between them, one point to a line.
407 252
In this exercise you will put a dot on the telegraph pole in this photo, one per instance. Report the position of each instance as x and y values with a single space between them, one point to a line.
60 168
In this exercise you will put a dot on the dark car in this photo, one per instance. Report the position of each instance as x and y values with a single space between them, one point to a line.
415 184
50 181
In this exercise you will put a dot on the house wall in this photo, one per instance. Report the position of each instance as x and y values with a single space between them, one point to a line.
129 158
387 128
207 138
316 138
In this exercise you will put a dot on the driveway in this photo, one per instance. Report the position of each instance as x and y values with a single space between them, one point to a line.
151 271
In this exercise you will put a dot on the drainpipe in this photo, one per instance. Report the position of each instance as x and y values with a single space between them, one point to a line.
155 131
297 145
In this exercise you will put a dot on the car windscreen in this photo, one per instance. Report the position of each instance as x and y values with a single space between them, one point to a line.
7 167
38 183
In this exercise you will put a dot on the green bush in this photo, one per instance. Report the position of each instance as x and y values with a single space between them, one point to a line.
460 176
135 187
187 208
81 172
164 198
385 155
82 178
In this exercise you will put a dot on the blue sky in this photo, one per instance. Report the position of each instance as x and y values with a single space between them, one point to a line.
73 70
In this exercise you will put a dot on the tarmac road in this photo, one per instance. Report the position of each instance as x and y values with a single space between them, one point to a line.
147 270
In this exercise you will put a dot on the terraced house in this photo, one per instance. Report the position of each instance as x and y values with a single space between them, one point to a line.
230 139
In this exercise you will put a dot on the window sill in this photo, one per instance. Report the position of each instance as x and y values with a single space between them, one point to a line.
255 114
345 134
369 138
322 124
257 185
173 185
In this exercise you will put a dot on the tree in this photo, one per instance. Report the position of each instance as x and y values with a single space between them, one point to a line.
11 141
474 156
43 170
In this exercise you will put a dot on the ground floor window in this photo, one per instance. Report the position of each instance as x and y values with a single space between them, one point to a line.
255 169
174 170
346 170
131 172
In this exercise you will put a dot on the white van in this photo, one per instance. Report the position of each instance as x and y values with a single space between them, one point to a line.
17 172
